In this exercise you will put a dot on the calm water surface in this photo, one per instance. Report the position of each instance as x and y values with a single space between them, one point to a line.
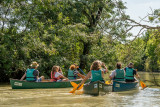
149 97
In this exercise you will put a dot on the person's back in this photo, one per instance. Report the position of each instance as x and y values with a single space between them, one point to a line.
96 75
71 75
130 72
73 72
129 76
119 75
30 75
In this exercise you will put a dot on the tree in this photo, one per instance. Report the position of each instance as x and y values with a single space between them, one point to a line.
94 14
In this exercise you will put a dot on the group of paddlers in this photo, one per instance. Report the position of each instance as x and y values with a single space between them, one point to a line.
96 73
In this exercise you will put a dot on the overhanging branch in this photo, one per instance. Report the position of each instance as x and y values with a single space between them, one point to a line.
144 26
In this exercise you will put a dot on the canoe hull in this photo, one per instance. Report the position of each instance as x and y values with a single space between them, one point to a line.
17 84
124 86
96 88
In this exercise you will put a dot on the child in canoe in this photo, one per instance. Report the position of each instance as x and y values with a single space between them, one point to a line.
95 73
118 74
56 75
32 74
130 72
73 72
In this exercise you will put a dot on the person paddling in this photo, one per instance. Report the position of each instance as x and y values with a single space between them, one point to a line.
130 72
73 72
56 76
95 73
32 74
117 74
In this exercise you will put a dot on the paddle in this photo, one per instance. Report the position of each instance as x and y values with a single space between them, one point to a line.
108 82
143 85
75 87
81 71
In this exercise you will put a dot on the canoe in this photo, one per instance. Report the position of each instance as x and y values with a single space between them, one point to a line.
96 88
17 84
99 88
124 86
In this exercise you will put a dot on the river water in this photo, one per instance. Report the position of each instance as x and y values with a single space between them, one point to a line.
149 97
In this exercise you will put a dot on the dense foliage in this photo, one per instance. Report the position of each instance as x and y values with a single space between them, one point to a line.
63 32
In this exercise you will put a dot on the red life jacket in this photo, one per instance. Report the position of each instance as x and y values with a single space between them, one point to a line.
53 78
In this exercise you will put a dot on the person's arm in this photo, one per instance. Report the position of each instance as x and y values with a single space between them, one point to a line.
80 75
60 70
106 70
137 75
112 75
62 76
102 74
36 74
65 77
23 77
84 80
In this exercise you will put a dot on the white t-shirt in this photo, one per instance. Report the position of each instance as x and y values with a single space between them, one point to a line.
113 74
57 74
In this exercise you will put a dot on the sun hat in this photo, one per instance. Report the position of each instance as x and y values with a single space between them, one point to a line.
34 64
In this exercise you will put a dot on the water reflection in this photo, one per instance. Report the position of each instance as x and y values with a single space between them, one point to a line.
60 97
149 97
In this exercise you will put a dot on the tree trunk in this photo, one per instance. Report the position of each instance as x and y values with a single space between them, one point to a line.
84 56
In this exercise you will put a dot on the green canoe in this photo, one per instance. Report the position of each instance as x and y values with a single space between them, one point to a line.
96 88
17 84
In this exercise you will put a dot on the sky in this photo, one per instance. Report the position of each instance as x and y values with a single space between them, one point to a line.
139 9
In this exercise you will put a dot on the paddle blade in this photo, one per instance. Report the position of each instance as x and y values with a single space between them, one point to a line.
80 87
73 91
143 85
75 87
108 82
74 84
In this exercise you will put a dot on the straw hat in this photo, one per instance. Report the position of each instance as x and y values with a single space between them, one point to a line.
34 64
